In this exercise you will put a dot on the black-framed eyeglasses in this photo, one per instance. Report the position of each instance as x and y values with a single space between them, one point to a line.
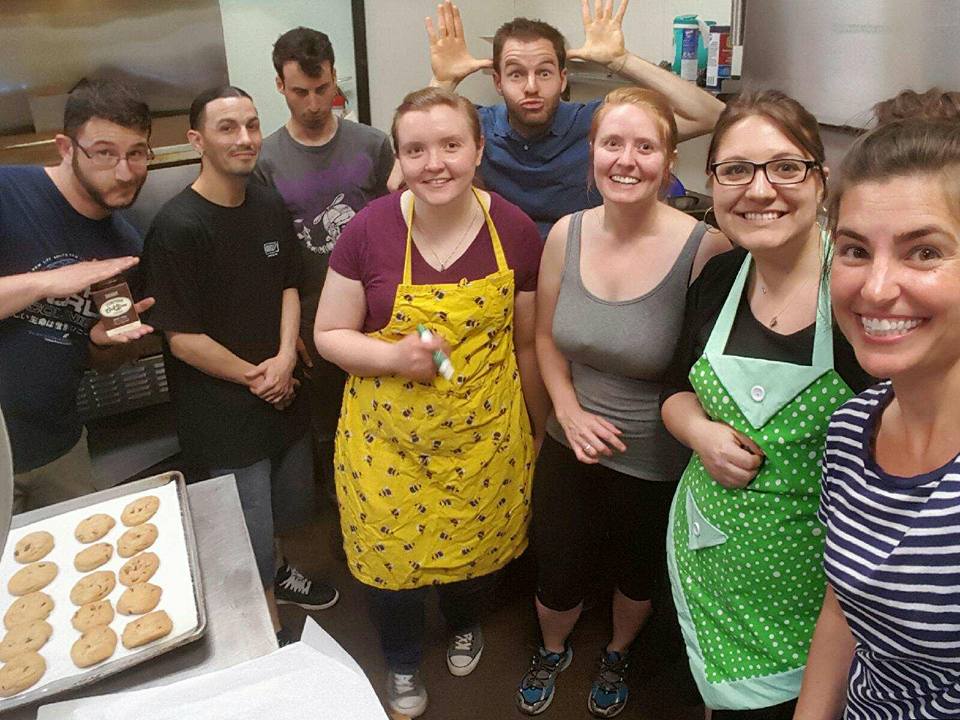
783 171
107 158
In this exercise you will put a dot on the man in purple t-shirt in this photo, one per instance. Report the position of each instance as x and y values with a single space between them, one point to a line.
326 169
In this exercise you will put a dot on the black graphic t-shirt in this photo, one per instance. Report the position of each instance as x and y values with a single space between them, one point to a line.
43 348
221 271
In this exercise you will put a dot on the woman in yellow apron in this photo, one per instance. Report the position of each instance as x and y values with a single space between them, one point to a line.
433 472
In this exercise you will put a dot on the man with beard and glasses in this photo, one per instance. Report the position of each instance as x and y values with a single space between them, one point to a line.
59 235
327 169
536 152
221 258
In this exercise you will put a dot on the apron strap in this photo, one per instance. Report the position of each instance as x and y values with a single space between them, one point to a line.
491 228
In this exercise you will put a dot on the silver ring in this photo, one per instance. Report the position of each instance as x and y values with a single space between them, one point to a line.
587 447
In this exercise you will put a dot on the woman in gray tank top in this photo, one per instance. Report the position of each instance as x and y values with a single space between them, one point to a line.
610 302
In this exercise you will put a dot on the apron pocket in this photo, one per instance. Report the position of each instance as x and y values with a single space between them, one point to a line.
700 532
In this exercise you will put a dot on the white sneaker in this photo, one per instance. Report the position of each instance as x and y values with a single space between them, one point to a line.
406 694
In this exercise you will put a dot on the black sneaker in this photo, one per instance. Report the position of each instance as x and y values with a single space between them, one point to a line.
286 636
608 696
292 587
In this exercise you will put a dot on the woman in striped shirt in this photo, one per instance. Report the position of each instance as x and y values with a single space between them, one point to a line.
887 643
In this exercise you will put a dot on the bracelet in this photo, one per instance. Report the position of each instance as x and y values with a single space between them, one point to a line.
617 65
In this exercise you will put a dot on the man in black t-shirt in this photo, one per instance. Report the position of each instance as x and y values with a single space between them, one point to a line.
58 236
221 258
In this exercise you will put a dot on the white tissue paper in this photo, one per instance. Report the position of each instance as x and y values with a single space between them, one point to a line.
312 678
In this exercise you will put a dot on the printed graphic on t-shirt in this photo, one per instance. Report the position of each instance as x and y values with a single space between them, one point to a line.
322 234
57 319
318 219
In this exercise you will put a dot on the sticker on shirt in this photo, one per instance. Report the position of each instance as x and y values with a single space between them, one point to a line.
60 320
271 249
327 225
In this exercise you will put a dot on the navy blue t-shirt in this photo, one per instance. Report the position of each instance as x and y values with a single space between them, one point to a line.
43 348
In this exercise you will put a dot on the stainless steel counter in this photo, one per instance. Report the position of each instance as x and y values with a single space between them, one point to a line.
238 624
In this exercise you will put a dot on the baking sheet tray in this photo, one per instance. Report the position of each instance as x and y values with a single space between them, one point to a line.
179 567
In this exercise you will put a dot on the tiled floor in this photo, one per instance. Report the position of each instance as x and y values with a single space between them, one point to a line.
511 636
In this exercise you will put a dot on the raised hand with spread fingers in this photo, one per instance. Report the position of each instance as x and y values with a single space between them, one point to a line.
450 60
603 34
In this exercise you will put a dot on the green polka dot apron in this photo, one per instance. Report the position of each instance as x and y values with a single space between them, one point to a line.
745 565
433 479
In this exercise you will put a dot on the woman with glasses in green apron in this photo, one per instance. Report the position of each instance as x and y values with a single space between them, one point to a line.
766 370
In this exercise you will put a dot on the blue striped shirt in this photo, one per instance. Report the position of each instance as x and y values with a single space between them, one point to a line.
893 558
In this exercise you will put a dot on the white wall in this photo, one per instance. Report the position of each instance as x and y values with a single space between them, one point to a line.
399 55
251 27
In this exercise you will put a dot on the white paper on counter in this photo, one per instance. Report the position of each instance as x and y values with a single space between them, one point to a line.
313 678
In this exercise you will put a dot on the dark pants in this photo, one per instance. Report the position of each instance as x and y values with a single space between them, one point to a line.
783 711
585 514
400 618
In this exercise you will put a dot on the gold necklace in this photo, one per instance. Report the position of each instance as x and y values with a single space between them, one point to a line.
463 236
773 320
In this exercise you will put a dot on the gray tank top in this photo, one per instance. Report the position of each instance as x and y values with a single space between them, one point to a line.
618 353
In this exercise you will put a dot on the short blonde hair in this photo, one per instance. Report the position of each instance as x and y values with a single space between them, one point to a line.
428 97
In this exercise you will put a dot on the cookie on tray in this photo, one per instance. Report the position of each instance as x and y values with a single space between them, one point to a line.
137 538
35 576
33 546
139 568
94 646
93 557
33 606
99 612
146 629
25 638
139 599
94 527
21 673
93 587
140 510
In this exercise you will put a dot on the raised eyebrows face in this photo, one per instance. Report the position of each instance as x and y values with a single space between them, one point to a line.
229 139
117 187
530 80
895 277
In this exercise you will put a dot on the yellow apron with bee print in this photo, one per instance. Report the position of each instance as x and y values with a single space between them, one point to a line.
433 479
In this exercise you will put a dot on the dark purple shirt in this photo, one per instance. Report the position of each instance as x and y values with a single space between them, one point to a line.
372 248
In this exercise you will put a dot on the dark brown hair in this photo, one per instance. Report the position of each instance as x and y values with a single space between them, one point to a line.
308 48
524 29
934 104
918 146
113 101
428 97
796 122
199 105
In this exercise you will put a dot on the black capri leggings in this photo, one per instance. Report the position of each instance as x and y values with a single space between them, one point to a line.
584 515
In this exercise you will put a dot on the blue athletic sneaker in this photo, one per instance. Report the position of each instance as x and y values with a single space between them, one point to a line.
608 696
536 688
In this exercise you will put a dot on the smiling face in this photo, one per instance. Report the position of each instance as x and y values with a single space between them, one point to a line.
110 188
530 80
229 139
437 152
895 278
309 98
761 215
630 161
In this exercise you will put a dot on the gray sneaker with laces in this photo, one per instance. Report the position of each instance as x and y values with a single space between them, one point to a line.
406 693
463 652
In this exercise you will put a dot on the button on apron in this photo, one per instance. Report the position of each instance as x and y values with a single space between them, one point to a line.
757 393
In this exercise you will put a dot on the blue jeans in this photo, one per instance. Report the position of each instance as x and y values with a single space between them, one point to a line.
399 616
276 494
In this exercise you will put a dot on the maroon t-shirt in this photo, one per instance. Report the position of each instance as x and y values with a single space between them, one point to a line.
372 247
